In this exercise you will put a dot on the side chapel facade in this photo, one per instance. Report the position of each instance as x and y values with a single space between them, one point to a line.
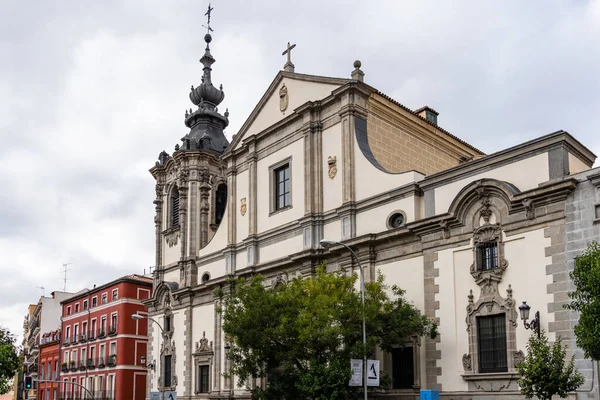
469 236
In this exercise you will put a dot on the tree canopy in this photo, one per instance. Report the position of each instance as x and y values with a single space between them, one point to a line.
303 333
9 360
586 300
544 372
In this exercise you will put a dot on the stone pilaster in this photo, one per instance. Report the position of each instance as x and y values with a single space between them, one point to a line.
158 203
432 354
204 209
188 349
232 205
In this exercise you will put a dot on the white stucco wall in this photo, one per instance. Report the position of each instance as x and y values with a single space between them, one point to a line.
299 92
281 249
332 230
370 181
241 260
203 320
525 174
172 276
264 192
178 320
215 269
219 240
576 165
375 219
242 221
408 275
171 254
526 273
332 147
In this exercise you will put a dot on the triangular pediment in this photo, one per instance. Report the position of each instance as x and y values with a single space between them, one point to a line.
287 92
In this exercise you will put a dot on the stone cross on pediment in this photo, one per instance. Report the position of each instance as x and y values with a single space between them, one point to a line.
289 67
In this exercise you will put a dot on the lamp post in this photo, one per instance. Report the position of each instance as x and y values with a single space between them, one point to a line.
326 244
535 322
137 317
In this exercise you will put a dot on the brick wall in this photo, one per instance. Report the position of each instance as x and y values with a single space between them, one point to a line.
400 149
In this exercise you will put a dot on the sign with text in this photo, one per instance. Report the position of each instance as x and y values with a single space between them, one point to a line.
357 373
372 372
155 396
170 395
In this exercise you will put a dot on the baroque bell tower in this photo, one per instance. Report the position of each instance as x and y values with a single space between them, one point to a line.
191 183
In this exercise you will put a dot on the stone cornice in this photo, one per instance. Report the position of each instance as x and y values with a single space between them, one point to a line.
522 151
594 179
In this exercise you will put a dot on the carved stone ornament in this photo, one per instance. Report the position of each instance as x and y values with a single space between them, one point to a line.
488 233
491 302
283 98
529 209
172 236
182 178
466 360
243 207
518 358
445 229
203 346
332 163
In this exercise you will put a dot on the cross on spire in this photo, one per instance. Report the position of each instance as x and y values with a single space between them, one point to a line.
207 26
289 67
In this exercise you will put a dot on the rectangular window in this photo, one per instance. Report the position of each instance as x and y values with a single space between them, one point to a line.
69 310
94 301
491 340
203 379
175 209
66 357
487 256
49 371
104 298
85 304
167 369
168 324
77 307
84 330
282 187
403 368
115 294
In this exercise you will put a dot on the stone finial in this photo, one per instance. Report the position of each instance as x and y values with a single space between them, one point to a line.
357 74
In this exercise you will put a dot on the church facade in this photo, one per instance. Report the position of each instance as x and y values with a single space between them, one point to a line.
469 236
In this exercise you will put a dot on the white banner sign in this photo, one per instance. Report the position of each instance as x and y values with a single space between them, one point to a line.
373 373
357 373
155 396
170 395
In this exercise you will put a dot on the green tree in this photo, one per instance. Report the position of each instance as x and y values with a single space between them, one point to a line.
303 333
586 300
9 360
544 372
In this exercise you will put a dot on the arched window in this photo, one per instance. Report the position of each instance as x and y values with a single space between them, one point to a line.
174 207
220 202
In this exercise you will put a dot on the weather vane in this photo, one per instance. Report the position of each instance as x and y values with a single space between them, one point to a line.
207 26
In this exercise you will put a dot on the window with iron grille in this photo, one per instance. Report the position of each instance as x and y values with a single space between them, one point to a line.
203 379
487 256
282 187
491 341
167 368
175 207
403 368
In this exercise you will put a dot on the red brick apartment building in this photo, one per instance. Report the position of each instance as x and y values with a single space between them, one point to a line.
49 366
102 345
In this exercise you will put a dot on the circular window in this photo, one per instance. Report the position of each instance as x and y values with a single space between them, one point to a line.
396 220
205 277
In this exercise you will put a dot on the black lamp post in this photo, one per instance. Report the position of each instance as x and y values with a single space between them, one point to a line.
535 323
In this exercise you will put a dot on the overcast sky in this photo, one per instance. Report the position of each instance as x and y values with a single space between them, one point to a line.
90 94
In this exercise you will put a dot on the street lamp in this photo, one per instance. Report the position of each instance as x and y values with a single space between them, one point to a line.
326 244
137 317
535 323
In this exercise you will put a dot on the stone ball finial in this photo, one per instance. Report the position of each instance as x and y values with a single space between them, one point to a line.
357 64
207 38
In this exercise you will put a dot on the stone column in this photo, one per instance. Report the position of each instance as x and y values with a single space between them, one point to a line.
158 202
204 207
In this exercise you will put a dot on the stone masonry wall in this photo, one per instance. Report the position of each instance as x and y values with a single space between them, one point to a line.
581 228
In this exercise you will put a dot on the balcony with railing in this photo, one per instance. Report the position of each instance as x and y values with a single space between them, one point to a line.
73 365
64 367
112 360
83 338
90 363
66 341
100 362
91 335
112 330
81 365
101 333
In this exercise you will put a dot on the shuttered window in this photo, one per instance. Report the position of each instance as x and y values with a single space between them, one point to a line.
175 208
